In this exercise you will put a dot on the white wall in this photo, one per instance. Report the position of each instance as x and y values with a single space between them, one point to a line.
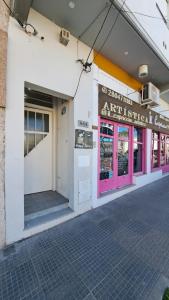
62 149
155 28
53 66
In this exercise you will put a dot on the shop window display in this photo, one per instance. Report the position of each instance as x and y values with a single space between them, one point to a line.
138 150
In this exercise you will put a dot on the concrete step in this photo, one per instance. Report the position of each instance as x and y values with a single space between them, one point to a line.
48 218
45 212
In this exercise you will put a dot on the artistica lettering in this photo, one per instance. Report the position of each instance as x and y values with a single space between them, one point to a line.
117 107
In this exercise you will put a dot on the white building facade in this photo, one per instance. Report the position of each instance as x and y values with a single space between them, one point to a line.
89 147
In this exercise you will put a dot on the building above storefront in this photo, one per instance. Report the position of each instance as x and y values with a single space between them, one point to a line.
119 41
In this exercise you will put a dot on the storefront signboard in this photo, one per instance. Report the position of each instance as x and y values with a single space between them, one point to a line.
119 108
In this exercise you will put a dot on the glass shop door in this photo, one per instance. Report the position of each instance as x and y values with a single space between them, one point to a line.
124 159
115 156
106 173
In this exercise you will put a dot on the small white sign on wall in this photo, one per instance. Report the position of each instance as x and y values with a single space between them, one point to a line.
83 161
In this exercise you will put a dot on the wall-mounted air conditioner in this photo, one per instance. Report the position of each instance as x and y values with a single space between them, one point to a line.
150 95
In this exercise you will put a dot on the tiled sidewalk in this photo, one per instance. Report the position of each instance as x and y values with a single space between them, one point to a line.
118 251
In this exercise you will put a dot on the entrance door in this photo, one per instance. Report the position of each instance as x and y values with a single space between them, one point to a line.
37 151
107 162
124 154
115 169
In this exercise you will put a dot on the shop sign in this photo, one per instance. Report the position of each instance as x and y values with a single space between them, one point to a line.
119 108
83 139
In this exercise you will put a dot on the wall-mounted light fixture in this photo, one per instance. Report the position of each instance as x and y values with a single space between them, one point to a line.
143 71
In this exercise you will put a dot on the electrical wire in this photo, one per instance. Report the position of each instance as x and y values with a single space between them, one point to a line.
132 93
23 25
145 15
125 11
86 64
13 14
104 21
111 29
93 21
88 27
78 84
8 7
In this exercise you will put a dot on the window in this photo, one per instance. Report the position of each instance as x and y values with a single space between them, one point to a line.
160 150
138 163
36 129
155 150
106 128
167 150
106 150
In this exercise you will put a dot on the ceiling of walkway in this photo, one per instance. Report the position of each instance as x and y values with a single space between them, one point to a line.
124 47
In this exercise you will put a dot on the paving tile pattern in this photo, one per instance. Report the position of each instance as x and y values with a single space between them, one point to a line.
118 251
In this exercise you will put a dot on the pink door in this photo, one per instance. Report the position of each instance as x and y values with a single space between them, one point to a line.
115 155
106 156
124 151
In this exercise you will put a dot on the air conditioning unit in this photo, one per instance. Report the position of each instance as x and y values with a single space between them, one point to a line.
150 95
64 37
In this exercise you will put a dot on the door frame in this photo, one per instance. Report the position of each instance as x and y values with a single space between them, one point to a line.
116 181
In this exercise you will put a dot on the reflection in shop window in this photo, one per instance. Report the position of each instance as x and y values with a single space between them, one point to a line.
155 150
138 150
167 154
123 158
162 153
106 128
138 158
160 150
123 132
106 158
137 135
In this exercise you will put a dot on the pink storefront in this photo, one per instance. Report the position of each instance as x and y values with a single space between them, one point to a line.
160 151
122 147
